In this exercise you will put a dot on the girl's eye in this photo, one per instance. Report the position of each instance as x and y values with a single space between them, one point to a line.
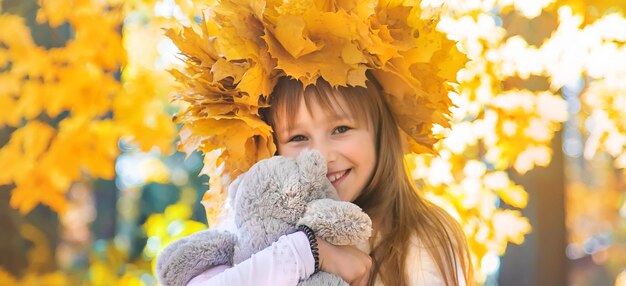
342 129
297 138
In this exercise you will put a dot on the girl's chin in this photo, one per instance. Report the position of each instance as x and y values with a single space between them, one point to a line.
341 195
345 196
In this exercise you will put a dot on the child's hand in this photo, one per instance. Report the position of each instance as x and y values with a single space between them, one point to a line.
348 262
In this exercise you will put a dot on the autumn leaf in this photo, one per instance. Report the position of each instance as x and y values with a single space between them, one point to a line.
77 87
286 27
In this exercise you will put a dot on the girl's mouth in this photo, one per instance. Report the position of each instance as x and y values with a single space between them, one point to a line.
338 177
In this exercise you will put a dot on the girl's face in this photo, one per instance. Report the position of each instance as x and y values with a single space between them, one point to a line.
347 144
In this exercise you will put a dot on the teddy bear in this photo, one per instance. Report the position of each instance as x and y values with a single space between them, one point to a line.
271 199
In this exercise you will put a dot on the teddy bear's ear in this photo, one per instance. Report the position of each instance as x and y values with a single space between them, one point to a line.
312 164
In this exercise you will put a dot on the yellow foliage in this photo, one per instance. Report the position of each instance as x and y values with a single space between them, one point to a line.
77 86
165 228
112 266
468 190
606 102
70 106
129 280
6 278
40 255
508 127
592 10
39 258
32 279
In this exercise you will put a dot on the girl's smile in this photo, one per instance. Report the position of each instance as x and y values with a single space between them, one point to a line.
337 177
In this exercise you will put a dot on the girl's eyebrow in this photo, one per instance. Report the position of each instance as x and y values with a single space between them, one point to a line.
342 117
287 132
296 126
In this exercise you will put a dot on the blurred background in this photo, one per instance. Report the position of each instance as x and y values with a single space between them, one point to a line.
92 187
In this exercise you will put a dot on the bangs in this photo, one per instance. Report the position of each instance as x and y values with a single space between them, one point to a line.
358 103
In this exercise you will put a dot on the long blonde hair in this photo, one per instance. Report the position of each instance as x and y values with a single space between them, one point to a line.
398 210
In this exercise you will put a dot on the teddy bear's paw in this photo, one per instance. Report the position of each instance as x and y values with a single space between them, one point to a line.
323 279
340 223
190 256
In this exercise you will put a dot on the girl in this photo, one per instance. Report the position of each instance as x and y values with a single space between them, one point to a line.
414 242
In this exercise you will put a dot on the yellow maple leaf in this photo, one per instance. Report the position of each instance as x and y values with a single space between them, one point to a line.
193 45
222 69
24 149
290 33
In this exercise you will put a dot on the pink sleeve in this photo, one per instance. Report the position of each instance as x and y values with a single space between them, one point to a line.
285 262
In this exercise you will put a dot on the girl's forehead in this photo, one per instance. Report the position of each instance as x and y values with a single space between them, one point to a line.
335 109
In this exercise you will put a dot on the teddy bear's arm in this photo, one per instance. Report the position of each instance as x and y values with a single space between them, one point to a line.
190 256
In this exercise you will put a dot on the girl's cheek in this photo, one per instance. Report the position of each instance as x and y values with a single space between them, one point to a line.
290 150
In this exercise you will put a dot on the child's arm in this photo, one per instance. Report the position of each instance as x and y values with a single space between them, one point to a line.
285 262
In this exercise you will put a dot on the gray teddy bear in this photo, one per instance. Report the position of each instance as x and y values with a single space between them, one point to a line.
270 200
